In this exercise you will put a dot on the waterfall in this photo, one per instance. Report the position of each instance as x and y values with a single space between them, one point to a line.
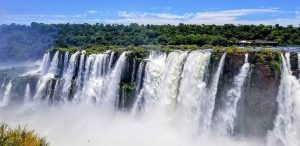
6 98
208 102
54 64
45 63
168 87
133 71
56 93
68 76
2 87
192 87
139 81
79 79
153 70
41 86
95 76
227 116
27 95
114 79
284 132
288 61
111 59
175 92
87 69
66 60
299 64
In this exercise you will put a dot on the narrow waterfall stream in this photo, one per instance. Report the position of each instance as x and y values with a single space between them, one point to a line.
284 132
6 97
27 95
226 117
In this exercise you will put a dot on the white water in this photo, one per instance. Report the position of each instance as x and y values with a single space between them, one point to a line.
192 87
68 75
208 105
45 63
54 64
2 87
285 132
168 87
153 72
114 81
226 116
136 106
94 79
6 97
27 95
299 64
41 86
66 60
133 72
79 78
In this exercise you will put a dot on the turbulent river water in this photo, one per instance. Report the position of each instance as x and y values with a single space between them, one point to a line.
77 100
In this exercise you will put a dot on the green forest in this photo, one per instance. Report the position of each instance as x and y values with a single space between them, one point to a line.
23 42
182 34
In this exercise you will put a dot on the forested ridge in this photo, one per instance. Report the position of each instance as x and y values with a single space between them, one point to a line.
25 42
182 34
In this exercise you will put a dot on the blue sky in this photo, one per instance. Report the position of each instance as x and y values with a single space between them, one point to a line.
283 12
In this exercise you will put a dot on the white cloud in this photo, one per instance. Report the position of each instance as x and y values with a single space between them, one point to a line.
92 11
27 19
238 16
206 17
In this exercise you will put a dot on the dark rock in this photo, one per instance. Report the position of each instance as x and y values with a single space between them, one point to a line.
257 108
294 64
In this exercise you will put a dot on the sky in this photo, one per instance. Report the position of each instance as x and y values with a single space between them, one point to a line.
283 12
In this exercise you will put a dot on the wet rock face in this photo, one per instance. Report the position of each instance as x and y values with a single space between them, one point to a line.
257 108
127 87
294 64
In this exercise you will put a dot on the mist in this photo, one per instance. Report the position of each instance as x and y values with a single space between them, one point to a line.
86 124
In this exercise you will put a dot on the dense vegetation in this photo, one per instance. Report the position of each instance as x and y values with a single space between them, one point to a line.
20 137
222 35
20 42
23 42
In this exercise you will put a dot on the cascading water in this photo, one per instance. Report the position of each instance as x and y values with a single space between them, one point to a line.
285 128
192 87
79 78
41 86
95 76
27 96
139 80
208 102
45 63
53 68
299 64
2 87
6 97
66 60
114 80
154 69
174 93
68 76
133 71
168 86
226 116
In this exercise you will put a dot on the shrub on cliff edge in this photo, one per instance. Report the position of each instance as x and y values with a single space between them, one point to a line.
20 137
